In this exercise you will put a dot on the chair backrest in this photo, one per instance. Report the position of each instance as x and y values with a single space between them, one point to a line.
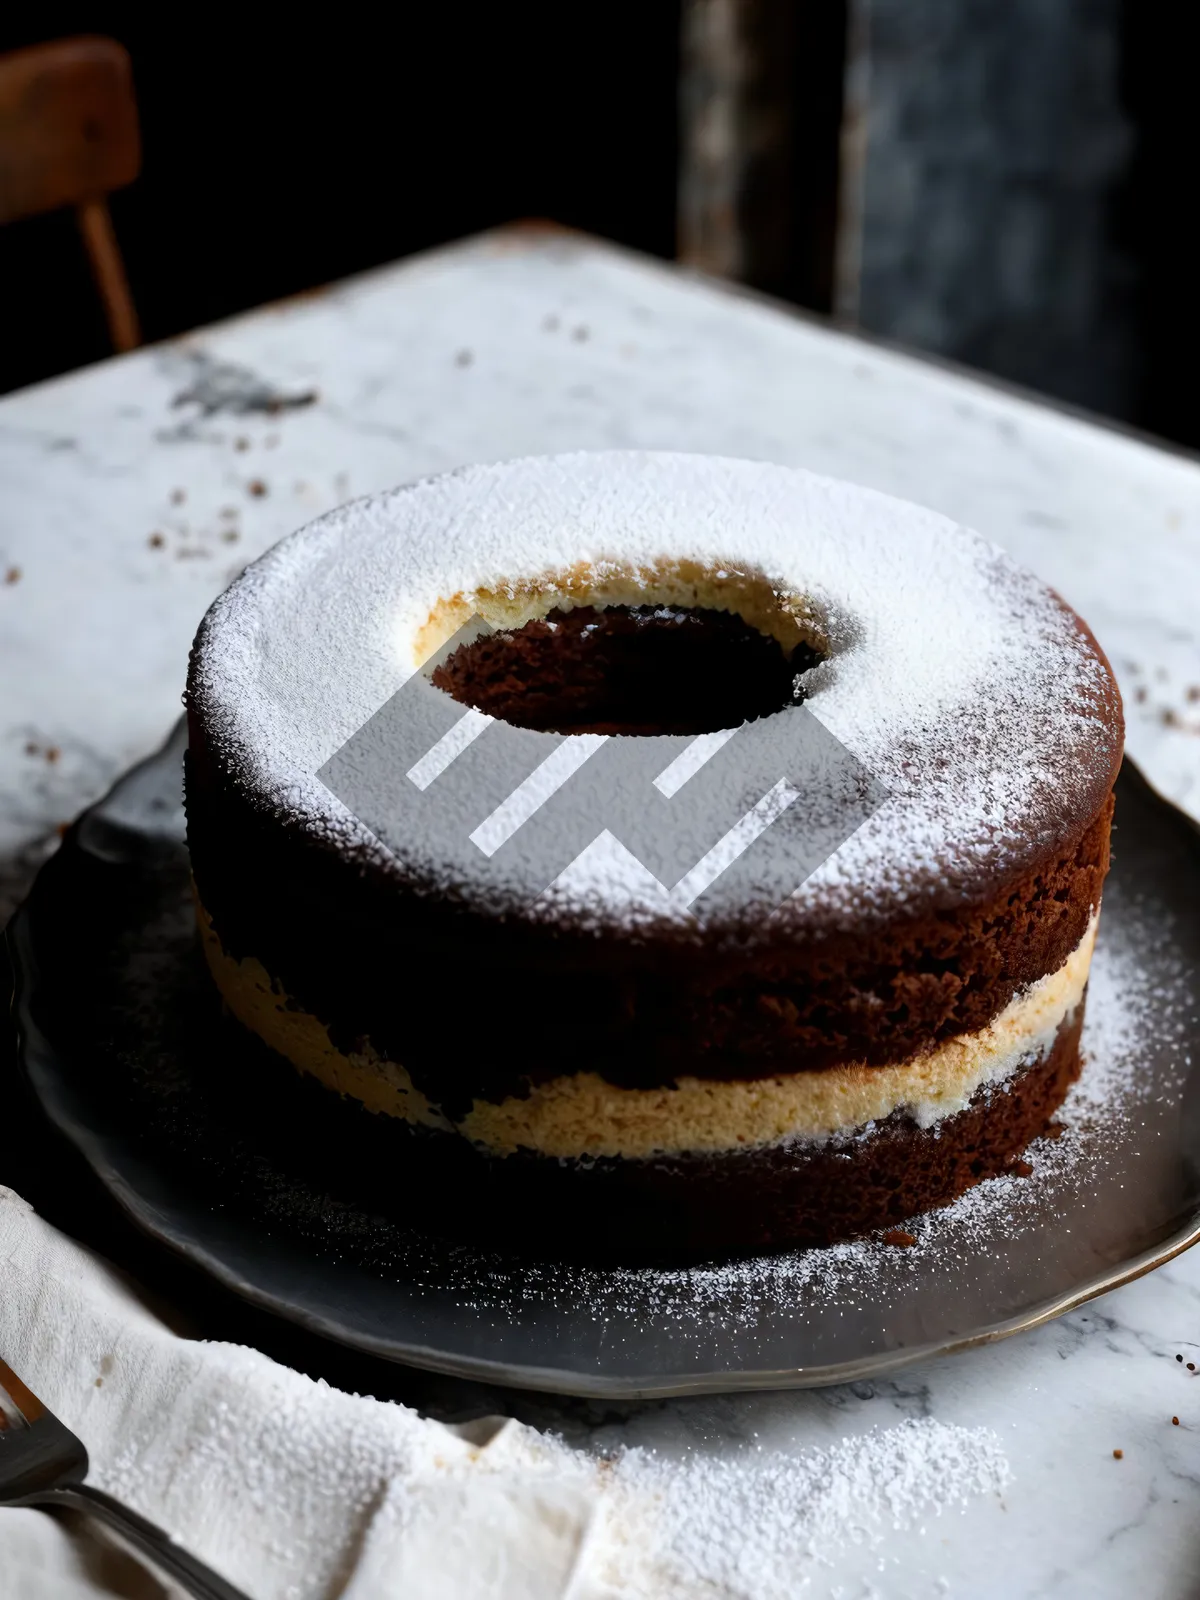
69 137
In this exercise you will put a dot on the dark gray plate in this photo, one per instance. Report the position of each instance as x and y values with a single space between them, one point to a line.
119 1039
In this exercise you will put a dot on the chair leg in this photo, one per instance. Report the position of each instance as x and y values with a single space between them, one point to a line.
108 269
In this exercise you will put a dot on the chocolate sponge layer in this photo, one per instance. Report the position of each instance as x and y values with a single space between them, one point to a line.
474 1009
666 1208
478 1006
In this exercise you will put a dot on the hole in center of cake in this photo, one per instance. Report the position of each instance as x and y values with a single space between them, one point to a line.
648 669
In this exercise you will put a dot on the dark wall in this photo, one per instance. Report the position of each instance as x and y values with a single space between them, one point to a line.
998 154
1028 196
278 161
1160 46
275 161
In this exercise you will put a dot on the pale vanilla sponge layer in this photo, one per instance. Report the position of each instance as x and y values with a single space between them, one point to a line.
761 603
582 1115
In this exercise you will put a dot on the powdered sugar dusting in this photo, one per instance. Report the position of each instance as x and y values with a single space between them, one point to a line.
757 1524
956 678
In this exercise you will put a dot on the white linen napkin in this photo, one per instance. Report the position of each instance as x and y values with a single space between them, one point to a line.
291 1489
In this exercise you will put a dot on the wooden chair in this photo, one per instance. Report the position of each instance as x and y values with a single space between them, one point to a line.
69 137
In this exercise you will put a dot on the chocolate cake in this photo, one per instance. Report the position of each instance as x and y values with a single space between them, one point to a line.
437 738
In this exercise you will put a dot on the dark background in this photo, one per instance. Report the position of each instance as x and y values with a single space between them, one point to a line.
1160 46
277 159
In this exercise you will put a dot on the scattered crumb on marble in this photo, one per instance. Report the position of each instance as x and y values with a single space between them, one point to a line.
256 487
13 575
52 753
1174 1422
178 496
279 403
241 444
156 541
231 536
1170 718
1118 1455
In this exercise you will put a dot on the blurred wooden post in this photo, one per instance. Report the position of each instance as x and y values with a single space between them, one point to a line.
69 137
852 164
760 121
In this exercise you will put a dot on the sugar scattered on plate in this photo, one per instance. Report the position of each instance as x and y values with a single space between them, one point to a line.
1125 1009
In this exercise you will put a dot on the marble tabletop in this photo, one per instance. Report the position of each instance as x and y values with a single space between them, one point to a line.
132 492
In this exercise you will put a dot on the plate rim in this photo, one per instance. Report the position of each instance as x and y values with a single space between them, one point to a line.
60 1102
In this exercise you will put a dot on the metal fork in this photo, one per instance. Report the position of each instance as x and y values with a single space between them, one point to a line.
42 1463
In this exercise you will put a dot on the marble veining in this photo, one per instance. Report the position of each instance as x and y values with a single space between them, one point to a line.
133 491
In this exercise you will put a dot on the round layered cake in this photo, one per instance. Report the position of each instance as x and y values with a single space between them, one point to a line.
651 854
